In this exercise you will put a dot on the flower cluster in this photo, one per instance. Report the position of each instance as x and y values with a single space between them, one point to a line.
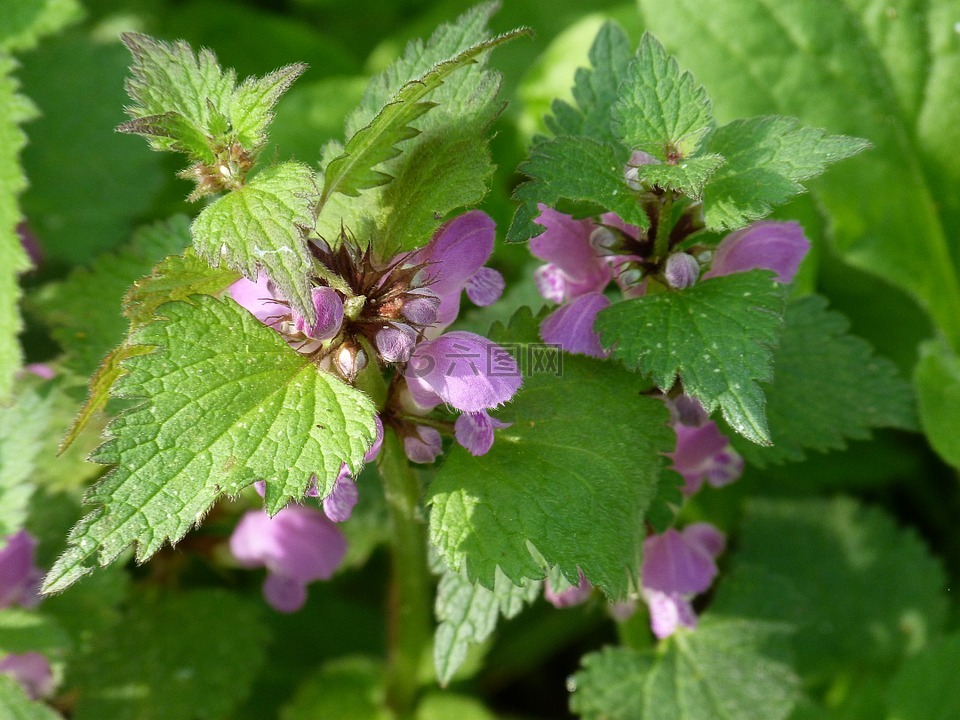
395 313
582 258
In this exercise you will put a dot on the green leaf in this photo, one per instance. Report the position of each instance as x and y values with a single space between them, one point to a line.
15 705
726 668
176 277
827 386
937 380
576 169
262 225
886 73
467 614
229 403
23 425
24 631
816 561
660 110
350 687
190 656
14 109
86 309
545 494
687 177
445 705
595 90
26 21
717 337
368 146
766 159
924 689
187 102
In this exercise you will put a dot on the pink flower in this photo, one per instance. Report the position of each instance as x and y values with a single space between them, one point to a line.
31 670
20 577
677 566
767 244
297 546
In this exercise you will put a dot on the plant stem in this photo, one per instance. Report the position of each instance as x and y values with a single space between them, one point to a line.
409 626
661 243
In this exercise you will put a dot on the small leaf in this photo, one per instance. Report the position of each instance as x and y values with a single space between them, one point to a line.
262 225
229 403
347 687
937 379
716 337
585 172
726 668
688 176
660 110
187 102
467 614
595 90
375 143
766 159
827 386
546 493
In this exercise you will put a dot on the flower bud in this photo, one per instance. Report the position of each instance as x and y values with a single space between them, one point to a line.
350 360
604 240
420 307
681 271
395 342
329 309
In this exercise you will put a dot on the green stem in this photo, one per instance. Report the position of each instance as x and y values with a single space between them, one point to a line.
661 243
409 628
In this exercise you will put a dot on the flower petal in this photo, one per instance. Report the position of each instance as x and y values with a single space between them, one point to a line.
485 287
329 308
672 563
668 611
768 244
424 446
474 431
374 450
571 326
284 594
457 251
569 596
339 504
395 342
20 578
259 299
566 244
31 670
464 370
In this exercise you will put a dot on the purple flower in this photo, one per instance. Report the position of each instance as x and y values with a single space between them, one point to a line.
474 431
260 299
299 545
329 309
574 267
32 671
677 566
571 326
20 578
570 596
374 450
455 259
339 504
423 445
681 270
395 342
466 371
768 244
703 453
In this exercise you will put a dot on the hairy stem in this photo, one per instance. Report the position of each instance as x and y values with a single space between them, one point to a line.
409 628
661 244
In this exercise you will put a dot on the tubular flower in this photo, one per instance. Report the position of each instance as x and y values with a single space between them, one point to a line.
31 670
569 596
703 453
768 244
677 566
20 578
297 546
